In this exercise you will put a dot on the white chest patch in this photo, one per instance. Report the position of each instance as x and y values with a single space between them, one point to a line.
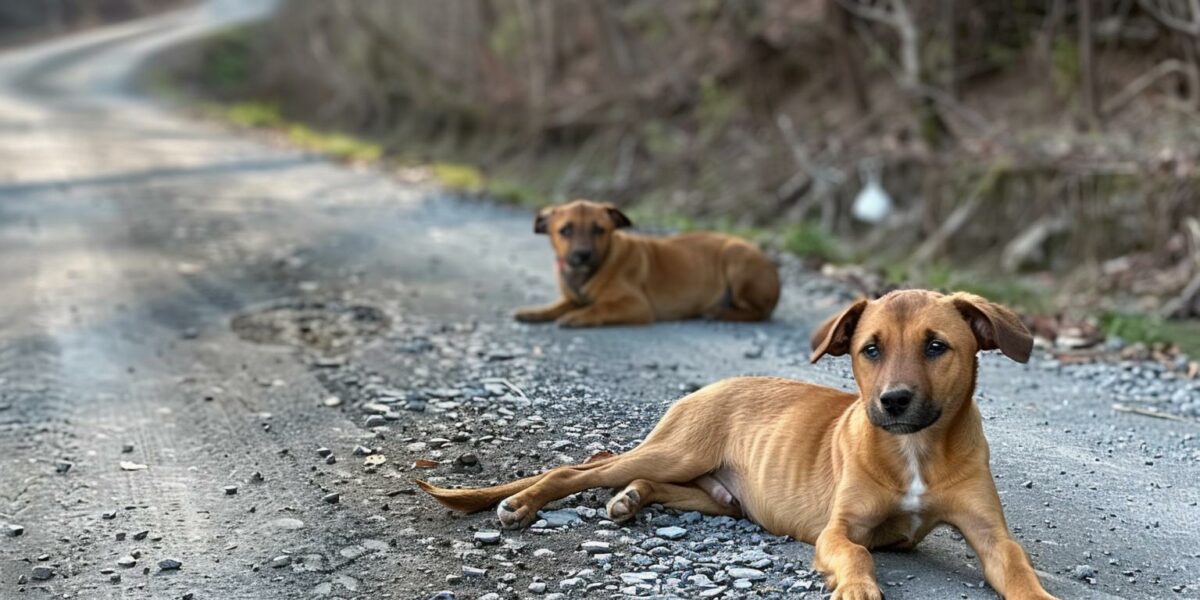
911 502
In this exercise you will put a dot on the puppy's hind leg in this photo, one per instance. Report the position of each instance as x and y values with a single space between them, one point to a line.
643 492
640 463
752 285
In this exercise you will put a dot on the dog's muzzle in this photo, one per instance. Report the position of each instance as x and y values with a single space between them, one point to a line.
902 412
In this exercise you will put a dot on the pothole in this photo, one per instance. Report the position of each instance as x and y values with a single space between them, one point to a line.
324 326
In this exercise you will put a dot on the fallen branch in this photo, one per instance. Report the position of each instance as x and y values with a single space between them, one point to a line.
961 215
1149 412
1143 83
510 385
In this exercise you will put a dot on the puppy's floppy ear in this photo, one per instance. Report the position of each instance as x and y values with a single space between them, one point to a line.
620 221
833 336
542 221
994 326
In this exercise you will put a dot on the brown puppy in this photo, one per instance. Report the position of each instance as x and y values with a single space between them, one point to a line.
610 277
845 472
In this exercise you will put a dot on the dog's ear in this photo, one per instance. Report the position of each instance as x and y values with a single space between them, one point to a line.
833 336
994 326
542 221
620 221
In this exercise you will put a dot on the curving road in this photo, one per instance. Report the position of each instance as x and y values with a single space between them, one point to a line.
132 236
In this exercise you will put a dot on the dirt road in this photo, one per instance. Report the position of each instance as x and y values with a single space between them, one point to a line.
191 320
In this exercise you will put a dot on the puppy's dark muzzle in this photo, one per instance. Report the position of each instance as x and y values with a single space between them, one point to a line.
580 258
902 411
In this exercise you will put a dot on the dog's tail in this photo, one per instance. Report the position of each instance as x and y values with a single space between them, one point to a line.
476 499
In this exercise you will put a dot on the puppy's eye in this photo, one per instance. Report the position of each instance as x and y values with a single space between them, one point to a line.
597 230
935 348
566 230
871 351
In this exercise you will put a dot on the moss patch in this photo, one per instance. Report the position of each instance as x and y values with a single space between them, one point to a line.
1149 329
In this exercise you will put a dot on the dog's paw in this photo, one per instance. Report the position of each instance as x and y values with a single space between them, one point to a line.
624 505
513 515
866 590
570 321
529 316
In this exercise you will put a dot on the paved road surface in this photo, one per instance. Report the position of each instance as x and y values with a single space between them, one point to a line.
130 239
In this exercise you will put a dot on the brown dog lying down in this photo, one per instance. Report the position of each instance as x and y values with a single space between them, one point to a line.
846 472
610 277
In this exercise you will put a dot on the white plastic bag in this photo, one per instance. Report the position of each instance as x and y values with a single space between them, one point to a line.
873 204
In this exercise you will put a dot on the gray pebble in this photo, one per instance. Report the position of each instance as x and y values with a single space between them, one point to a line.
487 536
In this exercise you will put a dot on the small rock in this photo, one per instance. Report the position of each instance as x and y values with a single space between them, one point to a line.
13 530
363 451
127 562
487 537
671 533
443 595
231 490
537 587
746 573
323 452
563 517
375 421
333 498
281 561
594 547
474 572
1083 572
169 564
42 573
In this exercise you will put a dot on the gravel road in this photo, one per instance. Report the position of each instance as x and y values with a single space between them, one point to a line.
222 362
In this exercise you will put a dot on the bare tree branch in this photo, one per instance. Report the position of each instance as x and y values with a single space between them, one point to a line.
1161 12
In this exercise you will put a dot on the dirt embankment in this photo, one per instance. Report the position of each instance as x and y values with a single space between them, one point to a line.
1025 156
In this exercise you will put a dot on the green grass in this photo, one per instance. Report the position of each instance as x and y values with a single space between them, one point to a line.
337 145
253 114
458 177
1150 329
1007 290
809 240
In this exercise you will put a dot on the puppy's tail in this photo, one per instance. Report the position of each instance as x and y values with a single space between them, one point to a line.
476 499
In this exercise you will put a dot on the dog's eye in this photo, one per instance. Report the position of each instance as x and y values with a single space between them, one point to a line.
871 351
565 231
597 230
935 348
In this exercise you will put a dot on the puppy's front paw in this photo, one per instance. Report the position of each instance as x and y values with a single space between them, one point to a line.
512 514
571 320
529 315
864 590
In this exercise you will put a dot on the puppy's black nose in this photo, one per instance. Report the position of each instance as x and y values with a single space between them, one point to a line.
895 402
579 258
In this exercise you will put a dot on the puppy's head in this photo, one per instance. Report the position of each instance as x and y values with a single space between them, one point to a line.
580 232
913 352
